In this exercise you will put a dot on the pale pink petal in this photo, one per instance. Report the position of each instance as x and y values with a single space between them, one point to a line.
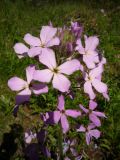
20 48
69 67
31 40
57 116
88 138
72 113
34 51
96 72
23 96
61 102
99 86
89 63
47 33
64 123
44 75
105 95
29 73
81 129
53 42
16 84
48 58
84 109
39 88
95 119
99 114
91 126
95 133
91 43
88 89
79 47
92 105
61 83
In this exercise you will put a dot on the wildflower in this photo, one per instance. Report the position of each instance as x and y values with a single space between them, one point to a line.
59 81
93 80
93 115
40 45
29 136
61 114
26 87
89 132
76 29
90 56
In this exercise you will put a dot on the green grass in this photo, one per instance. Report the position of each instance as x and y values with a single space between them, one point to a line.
18 17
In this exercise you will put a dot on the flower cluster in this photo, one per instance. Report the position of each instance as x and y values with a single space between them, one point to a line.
49 51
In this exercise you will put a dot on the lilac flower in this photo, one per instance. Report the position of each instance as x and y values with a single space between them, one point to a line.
29 136
61 114
40 45
25 88
76 29
93 115
90 56
59 81
89 132
93 80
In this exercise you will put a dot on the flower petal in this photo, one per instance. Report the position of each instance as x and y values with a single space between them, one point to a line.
95 119
61 102
16 84
61 83
47 33
39 88
44 75
69 67
29 73
89 63
53 42
88 89
23 96
95 133
88 138
92 105
64 123
31 40
91 43
20 48
99 86
57 116
72 113
83 108
96 71
48 58
79 47
34 51
99 114
81 129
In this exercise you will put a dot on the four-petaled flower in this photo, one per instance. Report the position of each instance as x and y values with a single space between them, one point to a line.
26 87
61 114
59 81
89 132
40 45
93 80
93 115
90 56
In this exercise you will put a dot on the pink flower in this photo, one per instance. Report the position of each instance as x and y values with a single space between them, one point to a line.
56 73
90 56
93 115
61 114
38 45
93 79
25 88
89 132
